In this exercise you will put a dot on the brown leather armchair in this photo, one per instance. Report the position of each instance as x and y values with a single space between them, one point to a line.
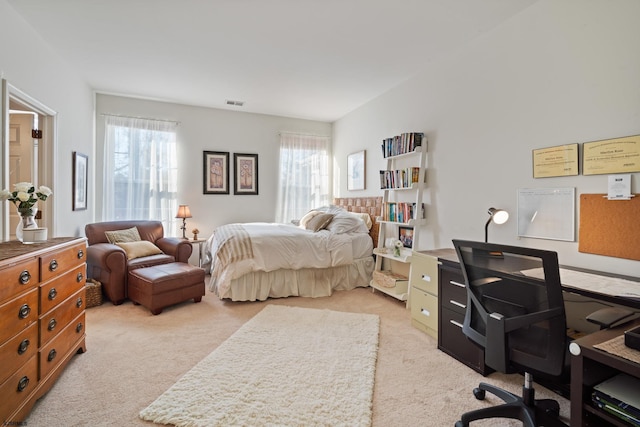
108 263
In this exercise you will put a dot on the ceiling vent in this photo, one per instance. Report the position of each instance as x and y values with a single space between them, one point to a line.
236 103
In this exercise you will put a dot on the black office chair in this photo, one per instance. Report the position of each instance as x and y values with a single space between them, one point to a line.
519 320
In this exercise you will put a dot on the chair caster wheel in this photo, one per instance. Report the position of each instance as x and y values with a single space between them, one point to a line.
459 424
479 393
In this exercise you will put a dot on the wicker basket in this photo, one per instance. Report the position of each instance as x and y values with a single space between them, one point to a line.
94 293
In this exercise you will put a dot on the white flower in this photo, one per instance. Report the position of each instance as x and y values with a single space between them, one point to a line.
398 244
22 196
45 191
23 186
4 194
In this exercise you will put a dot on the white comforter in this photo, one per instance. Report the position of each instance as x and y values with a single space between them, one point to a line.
279 246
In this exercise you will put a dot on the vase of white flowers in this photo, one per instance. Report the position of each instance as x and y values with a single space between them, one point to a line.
397 247
25 196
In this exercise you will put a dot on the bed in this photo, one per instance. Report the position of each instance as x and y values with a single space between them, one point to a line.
256 261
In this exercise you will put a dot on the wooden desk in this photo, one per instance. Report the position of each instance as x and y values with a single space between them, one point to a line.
591 367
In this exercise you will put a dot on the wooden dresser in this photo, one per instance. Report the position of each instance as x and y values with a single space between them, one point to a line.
42 303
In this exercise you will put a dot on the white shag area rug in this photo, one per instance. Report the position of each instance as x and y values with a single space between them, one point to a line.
287 366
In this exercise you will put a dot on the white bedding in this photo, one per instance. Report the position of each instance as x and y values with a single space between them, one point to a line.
285 247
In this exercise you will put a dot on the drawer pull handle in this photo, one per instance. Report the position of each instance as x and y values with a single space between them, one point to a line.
24 311
79 277
79 327
52 324
453 322
458 284
425 312
52 355
24 345
52 294
23 383
426 277
458 304
80 254
53 265
25 276
79 302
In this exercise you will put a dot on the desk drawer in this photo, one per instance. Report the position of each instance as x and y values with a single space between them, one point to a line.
453 292
424 308
424 273
452 341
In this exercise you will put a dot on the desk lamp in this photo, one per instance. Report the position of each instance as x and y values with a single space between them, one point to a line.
499 216
184 212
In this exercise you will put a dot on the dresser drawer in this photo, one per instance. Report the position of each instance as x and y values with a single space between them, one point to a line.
453 292
18 387
424 273
54 352
455 343
57 319
18 278
424 308
18 313
16 351
56 262
57 290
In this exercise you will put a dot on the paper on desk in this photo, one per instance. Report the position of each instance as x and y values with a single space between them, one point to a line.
592 282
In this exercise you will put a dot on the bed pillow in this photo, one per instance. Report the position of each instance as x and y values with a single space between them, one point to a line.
319 222
122 236
139 249
308 217
365 217
347 222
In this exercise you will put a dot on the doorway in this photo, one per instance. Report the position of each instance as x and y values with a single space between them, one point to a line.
28 150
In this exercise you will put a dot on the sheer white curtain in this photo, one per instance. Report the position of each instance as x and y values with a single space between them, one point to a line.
304 179
141 170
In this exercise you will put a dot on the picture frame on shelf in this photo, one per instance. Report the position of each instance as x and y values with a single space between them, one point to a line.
405 235
356 170
245 174
215 172
80 176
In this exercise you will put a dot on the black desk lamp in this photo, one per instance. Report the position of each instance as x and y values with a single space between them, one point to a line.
183 212
499 216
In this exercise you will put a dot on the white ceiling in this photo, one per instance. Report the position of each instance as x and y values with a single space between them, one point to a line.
313 59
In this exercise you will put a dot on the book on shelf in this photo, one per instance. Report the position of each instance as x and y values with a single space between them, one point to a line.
401 178
619 396
401 212
401 144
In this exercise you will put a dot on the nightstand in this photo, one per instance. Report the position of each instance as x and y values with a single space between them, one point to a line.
200 243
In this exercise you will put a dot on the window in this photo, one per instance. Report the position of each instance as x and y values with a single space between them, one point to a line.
140 170
304 175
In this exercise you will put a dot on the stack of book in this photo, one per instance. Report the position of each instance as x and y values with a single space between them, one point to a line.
401 144
401 178
620 397
401 212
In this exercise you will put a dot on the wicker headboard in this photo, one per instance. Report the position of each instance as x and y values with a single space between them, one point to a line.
370 205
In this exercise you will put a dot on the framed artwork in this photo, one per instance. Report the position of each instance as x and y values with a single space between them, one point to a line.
405 235
215 172
356 170
245 173
561 160
79 179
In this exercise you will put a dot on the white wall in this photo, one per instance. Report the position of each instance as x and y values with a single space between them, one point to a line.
28 64
208 129
560 72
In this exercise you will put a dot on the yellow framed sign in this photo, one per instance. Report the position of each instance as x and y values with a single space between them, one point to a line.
610 156
561 160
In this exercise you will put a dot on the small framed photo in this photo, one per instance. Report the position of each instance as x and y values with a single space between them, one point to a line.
80 174
405 235
215 172
356 170
245 173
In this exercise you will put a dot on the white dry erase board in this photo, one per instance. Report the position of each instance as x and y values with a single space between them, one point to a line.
547 213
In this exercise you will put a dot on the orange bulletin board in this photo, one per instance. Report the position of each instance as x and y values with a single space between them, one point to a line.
609 227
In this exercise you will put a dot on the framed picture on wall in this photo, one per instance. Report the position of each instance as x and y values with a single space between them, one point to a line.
79 179
245 173
215 172
356 170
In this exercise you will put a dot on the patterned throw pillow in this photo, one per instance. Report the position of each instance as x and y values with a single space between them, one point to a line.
123 236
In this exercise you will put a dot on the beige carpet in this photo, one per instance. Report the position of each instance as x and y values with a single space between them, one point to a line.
286 366
133 357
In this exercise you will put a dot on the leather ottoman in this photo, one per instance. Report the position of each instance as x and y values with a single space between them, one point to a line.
163 285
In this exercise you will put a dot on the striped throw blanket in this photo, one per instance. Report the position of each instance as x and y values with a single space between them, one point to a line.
234 244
